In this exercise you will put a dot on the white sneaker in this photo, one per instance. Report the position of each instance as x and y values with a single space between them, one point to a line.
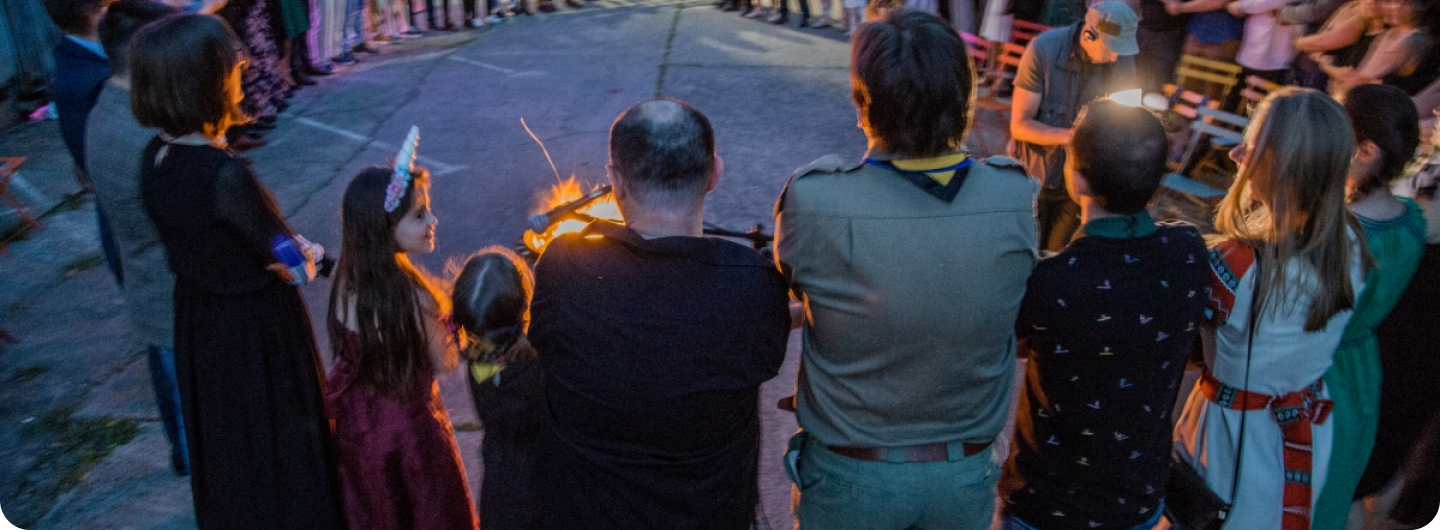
820 22
755 12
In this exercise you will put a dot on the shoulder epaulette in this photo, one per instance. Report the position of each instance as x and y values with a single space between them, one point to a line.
1004 162
826 164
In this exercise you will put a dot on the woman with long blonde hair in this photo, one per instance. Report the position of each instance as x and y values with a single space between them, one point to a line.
1286 270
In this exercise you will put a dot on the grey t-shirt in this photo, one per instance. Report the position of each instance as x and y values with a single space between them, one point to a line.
1055 67
114 142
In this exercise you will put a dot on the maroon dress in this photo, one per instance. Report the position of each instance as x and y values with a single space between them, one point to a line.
398 462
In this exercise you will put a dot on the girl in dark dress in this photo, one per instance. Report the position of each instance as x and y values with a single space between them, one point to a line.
491 298
245 356
400 468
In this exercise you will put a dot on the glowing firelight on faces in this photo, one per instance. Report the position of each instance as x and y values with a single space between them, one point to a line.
564 192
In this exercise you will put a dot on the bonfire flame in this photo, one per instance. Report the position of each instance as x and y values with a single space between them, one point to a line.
565 192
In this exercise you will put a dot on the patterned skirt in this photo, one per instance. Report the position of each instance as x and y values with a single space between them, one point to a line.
263 86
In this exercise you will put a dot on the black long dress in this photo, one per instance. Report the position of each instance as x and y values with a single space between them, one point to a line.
250 377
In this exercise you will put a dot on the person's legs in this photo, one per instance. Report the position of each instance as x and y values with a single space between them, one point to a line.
354 25
109 248
1156 66
167 398
1059 218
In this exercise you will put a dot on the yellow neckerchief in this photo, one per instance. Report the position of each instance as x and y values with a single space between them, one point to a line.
920 164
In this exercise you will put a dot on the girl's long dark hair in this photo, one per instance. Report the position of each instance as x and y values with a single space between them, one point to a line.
383 287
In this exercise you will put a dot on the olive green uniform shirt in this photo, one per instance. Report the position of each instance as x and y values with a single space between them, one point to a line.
910 301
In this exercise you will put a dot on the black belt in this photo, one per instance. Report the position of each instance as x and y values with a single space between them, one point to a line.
936 452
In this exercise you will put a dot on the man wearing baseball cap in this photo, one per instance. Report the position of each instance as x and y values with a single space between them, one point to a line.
1062 70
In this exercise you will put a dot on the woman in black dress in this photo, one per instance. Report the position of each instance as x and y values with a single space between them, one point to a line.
245 355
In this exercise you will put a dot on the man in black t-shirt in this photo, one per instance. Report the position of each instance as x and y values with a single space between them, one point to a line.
1107 323
654 342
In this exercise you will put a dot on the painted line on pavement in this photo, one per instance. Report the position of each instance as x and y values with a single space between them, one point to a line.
440 168
331 128
484 65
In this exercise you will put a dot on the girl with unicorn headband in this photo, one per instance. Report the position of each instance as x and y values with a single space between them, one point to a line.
390 331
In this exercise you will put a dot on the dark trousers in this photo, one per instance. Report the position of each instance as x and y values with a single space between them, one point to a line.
804 9
167 397
109 248
430 14
510 413
1059 218
1156 66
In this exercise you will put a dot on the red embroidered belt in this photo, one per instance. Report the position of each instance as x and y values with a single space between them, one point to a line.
1295 412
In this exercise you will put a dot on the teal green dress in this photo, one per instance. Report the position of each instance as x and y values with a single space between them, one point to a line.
1354 379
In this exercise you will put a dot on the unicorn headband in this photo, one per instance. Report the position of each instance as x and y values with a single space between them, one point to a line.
404 169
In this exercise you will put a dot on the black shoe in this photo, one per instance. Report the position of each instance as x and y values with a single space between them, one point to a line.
268 120
344 59
317 71
365 48
303 79
574 4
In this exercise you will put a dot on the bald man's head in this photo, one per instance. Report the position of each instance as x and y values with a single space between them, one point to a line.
665 150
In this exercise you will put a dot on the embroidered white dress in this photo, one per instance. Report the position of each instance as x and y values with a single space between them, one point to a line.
1285 359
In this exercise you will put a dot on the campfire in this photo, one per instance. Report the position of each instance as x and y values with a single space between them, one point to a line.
561 194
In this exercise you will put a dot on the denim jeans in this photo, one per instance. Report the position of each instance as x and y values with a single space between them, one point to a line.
167 396
109 248
354 27
841 493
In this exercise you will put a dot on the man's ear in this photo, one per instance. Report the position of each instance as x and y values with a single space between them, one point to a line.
1077 185
1366 151
715 175
617 182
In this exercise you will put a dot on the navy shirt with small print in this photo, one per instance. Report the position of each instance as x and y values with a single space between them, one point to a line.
1107 324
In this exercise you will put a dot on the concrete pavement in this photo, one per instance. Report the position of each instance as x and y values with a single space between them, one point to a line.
778 96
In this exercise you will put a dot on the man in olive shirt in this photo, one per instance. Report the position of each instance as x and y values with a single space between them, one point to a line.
911 266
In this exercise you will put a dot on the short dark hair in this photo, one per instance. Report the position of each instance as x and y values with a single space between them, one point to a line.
179 67
1386 116
911 78
1121 151
118 26
73 16
664 148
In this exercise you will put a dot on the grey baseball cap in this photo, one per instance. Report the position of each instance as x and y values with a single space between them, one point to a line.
1116 24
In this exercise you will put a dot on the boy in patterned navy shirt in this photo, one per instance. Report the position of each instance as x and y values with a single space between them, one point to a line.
1107 323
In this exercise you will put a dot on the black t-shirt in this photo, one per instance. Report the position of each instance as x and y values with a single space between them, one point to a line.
1108 323
653 351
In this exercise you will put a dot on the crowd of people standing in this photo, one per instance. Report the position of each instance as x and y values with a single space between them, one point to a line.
619 381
